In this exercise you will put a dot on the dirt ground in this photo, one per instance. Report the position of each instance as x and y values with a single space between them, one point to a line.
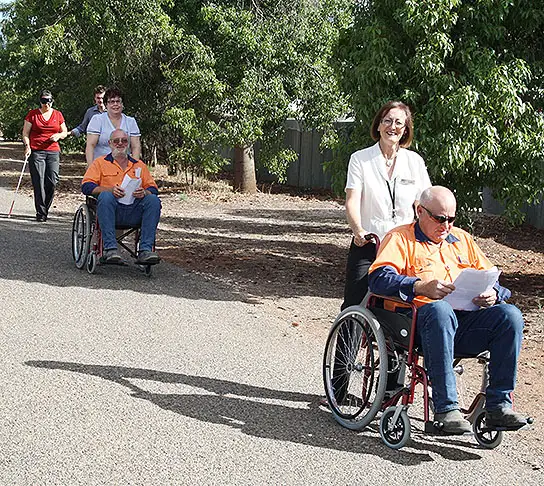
287 251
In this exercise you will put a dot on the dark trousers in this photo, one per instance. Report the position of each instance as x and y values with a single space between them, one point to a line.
359 260
44 172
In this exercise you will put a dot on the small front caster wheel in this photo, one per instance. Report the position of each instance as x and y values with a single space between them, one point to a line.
395 435
485 437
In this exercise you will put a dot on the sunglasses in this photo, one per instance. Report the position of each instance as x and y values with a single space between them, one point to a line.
44 101
440 219
117 141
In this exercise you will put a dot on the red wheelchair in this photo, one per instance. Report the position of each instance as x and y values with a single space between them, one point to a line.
372 365
87 244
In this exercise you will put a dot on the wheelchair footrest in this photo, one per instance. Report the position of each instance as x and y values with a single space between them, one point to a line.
121 263
509 429
435 428
148 264
431 428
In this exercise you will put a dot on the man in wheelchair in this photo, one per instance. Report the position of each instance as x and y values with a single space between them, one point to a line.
103 180
419 262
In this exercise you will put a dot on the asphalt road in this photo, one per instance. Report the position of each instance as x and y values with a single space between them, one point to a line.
120 379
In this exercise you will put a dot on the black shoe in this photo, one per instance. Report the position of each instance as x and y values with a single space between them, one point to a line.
452 423
41 218
505 418
111 256
147 257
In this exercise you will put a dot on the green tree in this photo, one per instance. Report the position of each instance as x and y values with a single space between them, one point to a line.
468 70
71 46
269 60
198 75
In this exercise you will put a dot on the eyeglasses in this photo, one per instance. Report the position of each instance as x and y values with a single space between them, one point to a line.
44 101
440 219
115 101
118 141
388 123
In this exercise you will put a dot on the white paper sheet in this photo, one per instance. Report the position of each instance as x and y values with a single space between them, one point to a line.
129 185
469 284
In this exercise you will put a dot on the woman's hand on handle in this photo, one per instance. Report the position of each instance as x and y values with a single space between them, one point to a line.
360 239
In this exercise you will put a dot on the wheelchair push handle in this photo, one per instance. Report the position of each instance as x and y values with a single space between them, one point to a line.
375 237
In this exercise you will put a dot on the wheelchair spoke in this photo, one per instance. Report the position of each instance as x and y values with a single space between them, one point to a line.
351 370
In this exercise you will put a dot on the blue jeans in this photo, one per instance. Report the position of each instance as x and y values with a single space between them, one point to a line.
443 332
145 212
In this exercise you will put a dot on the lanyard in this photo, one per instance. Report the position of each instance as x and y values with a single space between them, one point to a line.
392 196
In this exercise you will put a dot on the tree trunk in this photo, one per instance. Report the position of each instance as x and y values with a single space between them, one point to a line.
244 170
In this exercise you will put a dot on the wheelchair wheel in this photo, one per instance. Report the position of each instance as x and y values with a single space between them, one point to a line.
488 439
355 368
395 435
81 235
91 262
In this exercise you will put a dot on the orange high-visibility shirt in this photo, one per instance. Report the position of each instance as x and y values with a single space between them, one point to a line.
401 250
105 171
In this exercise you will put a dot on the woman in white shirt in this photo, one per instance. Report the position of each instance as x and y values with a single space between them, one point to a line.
101 126
384 182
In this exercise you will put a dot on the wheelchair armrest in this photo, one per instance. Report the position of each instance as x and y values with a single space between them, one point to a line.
390 298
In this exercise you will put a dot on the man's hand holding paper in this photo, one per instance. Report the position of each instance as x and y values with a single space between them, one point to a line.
474 289
487 299
434 289
129 185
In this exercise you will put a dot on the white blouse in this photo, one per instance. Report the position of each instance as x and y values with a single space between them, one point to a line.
102 126
386 203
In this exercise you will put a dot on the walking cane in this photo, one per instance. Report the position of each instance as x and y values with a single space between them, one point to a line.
18 184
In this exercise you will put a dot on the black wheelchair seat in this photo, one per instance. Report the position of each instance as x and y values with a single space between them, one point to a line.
396 325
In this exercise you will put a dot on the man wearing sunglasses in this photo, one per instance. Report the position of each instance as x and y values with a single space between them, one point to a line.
419 262
103 180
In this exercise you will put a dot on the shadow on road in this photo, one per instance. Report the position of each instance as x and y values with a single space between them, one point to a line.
41 252
257 411
280 253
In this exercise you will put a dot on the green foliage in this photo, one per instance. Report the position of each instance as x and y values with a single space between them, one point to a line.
70 47
267 61
198 75
470 73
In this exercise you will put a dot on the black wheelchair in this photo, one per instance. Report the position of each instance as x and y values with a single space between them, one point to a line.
87 244
372 364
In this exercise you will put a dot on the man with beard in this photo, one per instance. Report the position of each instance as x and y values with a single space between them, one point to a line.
103 180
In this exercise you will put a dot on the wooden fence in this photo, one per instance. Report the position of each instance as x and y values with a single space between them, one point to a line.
534 213
307 171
